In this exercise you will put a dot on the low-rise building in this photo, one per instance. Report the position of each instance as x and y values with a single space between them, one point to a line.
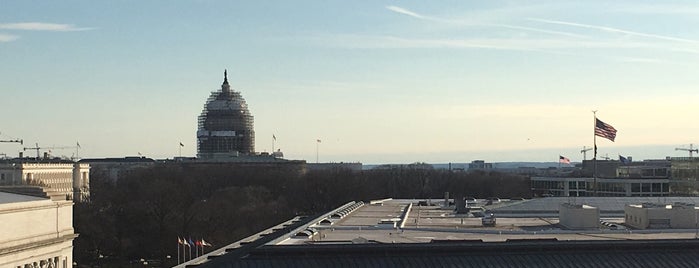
36 232
114 168
479 165
661 216
557 186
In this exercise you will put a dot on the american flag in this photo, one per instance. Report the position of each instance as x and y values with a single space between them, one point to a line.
563 159
604 130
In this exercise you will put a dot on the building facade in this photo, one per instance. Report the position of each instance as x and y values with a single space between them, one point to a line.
685 175
57 177
226 127
112 169
556 186
36 232
661 216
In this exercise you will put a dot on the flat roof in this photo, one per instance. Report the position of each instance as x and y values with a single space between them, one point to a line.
363 234
610 206
6 198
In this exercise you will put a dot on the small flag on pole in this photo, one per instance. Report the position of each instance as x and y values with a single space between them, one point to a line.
204 243
181 145
318 141
77 143
563 159
604 130
623 160
274 137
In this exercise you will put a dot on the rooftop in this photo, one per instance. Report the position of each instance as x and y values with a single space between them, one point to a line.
7 198
396 233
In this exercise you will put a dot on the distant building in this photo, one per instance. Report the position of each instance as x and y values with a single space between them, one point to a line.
648 169
557 186
335 166
614 178
479 165
114 168
685 175
36 232
600 168
225 125
60 177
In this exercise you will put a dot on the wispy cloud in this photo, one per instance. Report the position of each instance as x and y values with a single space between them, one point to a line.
514 43
672 9
416 15
404 11
640 60
8 38
539 30
42 26
613 30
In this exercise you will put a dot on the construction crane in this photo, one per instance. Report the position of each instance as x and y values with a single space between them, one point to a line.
17 141
37 148
584 152
13 140
690 150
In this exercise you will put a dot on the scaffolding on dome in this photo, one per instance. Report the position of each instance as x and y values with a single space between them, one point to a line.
225 126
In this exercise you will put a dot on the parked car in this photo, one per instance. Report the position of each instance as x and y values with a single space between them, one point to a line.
488 219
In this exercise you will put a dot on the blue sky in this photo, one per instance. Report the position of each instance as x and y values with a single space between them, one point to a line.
376 81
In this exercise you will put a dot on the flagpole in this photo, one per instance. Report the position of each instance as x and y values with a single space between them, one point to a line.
594 158
178 250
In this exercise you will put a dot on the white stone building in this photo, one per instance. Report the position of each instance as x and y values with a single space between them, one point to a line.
36 232
58 177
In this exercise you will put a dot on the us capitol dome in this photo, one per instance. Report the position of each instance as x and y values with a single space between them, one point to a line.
225 125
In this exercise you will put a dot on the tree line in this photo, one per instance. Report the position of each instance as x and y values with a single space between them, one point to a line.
142 214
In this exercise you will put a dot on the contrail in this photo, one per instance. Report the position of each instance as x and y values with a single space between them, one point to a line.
614 30
416 15
405 12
